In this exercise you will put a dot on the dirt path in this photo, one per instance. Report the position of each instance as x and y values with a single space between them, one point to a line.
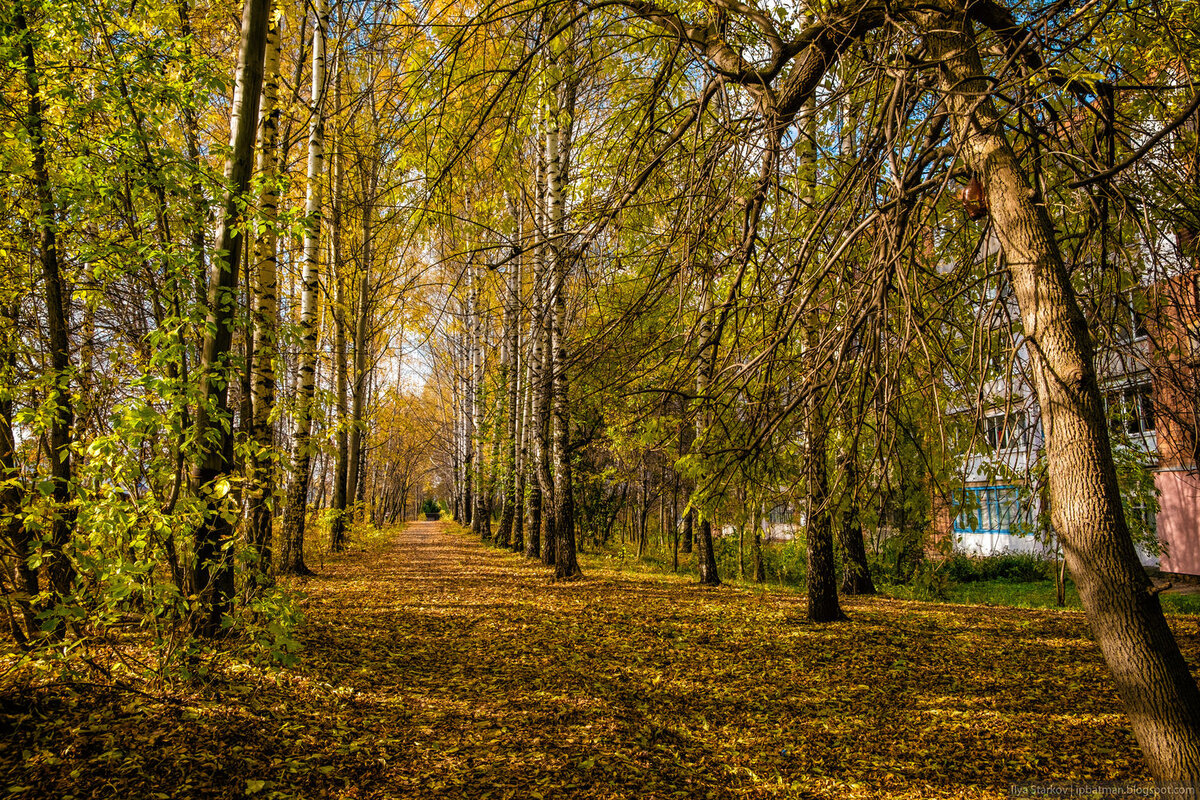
437 667
498 681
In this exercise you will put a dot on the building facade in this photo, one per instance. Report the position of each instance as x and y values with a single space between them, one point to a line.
1148 354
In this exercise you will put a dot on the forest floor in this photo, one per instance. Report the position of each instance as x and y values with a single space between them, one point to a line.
436 667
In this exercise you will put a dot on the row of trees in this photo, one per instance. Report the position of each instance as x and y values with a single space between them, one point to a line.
197 326
773 289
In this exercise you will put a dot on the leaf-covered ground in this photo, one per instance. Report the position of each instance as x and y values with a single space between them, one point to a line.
436 667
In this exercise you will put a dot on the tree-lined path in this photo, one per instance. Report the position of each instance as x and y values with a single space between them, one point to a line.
437 667
842 294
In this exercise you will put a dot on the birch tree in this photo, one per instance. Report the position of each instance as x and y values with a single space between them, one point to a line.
214 581
262 466
296 507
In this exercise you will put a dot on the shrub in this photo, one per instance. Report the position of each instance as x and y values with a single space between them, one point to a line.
1008 566
961 567
784 563
898 557
932 582
430 506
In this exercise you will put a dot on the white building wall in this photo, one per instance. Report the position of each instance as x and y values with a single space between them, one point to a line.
990 544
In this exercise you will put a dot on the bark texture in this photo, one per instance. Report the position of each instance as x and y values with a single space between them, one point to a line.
355 484
59 567
1151 676
856 572
341 464
821 580
214 575
296 513
706 561
261 492
558 143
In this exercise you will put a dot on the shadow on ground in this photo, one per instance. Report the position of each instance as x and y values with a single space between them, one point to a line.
441 668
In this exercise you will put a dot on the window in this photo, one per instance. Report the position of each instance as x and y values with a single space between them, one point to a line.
1000 344
990 509
781 514
1130 410
1137 513
1005 431
1129 321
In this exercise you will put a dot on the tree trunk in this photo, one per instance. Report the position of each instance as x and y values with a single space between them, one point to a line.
214 575
480 524
641 511
674 522
19 538
756 553
496 429
295 516
529 457
542 362
502 427
507 534
457 484
856 572
558 143
1151 676
822 577
261 492
467 400
741 532
545 476
341 464
517 397
362 344
60 570
706 561
688 522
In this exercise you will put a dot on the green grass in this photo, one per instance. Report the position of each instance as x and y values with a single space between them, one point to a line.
1180 603
1032 594
1026 594
996 592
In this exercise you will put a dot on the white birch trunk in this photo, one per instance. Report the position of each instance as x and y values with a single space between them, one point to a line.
292 560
